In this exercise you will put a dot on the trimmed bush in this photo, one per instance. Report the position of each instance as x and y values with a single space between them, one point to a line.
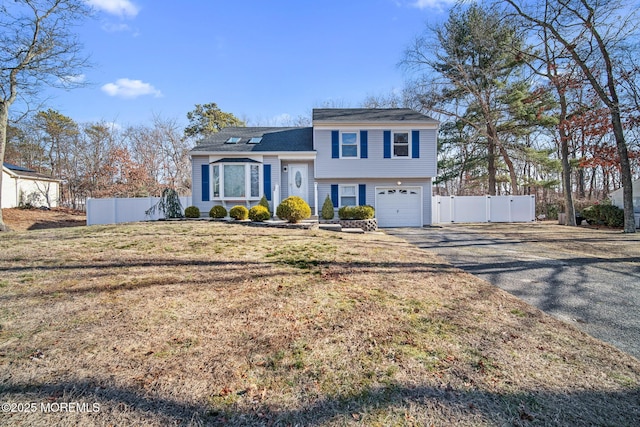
609 215
218 212
327 209
259 213
239 212
192 212
264 202
293 209
356 212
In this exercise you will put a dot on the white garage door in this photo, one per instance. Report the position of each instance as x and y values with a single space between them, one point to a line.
399 207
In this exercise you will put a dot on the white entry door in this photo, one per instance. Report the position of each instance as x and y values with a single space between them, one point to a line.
399 207
299 181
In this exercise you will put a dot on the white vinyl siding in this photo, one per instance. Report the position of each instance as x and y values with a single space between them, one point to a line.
375 165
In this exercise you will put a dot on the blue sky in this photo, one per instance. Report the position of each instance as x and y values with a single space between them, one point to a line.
262 60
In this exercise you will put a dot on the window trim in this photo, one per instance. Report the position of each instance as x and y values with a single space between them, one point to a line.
409 144
247 182
356 194
357 144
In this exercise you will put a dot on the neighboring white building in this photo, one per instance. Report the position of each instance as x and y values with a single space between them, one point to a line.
22 186
616 199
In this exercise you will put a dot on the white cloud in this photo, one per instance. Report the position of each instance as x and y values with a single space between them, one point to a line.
115 7
432 4
73 80
114 28
127 88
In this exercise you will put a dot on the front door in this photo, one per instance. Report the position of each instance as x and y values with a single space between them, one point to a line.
298 181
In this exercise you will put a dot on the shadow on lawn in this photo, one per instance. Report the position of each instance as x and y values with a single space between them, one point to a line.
220 273
392 403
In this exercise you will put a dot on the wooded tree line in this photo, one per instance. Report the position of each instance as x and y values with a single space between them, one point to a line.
99 159
534 97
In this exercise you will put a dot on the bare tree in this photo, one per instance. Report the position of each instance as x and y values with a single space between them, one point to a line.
37 47
595 34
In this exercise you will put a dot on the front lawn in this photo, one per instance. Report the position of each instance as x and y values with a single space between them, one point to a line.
203 323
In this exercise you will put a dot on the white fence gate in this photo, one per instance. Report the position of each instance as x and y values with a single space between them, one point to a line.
483 209
117 210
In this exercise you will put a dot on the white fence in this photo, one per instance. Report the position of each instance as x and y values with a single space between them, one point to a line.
117 210
483 209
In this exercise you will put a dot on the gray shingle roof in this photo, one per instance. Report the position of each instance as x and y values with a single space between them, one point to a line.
27 173
273 139
369 115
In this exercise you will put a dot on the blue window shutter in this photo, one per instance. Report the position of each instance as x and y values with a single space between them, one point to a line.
266 172
387 144
205 183
415 144
334 195
335 144
362 194
364 144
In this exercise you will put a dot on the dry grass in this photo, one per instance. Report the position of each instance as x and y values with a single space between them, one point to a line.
198 323
37 219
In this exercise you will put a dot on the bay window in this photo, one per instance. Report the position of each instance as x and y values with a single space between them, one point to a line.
236 181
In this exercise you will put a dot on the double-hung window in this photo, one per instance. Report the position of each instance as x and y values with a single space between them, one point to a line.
401 144
236 181
348 195
349 144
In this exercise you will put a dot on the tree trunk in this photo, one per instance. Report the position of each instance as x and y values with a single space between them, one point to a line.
491 158
512 170
625 173
4 118
570 217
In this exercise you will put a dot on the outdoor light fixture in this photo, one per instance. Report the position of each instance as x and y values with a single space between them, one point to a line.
399 182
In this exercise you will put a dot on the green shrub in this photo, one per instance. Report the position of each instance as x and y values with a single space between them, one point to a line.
609 215
293 209
239 212
218 212
192 212
259 213
327 209
264 202
345 212
356 212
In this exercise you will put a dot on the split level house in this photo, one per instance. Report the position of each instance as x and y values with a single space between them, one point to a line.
385 158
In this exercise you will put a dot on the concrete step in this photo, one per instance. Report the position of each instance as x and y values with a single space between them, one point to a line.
353 230
330 227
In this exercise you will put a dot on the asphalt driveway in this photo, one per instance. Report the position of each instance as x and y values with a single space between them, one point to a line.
589 278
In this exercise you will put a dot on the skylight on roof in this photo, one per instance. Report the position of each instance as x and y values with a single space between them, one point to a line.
255 140
233 140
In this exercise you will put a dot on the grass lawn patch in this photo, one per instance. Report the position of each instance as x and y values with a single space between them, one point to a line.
202 323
